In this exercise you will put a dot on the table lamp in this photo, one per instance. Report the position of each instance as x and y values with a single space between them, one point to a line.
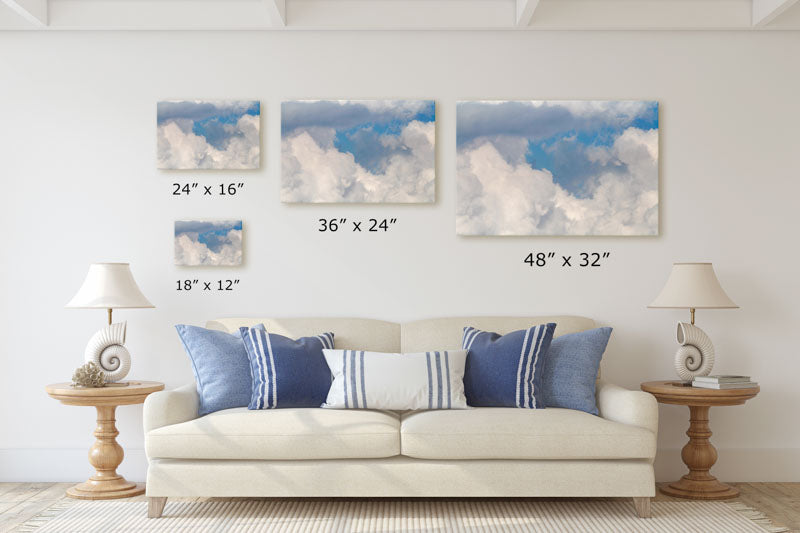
109 286
693 286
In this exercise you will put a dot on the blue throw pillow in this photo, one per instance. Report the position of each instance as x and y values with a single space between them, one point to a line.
286 372
571 369
506 371
220 365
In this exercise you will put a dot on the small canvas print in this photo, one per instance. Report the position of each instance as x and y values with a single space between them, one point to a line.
208 242
209 134
557 168
361 151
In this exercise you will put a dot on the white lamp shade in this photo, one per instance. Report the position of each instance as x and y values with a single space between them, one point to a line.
109 286
693 285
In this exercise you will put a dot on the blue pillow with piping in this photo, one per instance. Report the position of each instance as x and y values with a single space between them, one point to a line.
506 370
220 365
570 371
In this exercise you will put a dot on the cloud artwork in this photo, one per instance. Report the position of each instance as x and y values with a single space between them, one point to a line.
361 151
199 134
208 242
557 168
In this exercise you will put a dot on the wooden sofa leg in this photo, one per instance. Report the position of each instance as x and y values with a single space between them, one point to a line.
642 506
155 506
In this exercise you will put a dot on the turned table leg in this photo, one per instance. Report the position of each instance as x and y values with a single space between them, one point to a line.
105 455
699 455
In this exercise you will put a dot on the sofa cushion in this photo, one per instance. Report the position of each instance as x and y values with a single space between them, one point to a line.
509 433
279 434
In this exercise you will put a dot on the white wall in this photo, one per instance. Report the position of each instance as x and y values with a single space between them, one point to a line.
79 184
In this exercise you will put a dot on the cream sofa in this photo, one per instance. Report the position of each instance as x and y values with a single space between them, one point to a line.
480 452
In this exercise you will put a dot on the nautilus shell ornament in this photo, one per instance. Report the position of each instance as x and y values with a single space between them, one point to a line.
106 349
695 357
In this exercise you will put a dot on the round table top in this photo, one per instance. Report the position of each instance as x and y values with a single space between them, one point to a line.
114 394
674 392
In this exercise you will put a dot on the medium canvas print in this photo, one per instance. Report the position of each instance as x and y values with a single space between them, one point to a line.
361 151
209 134
208 242
557 168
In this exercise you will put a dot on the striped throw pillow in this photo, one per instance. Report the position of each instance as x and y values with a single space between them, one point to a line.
410 381
286 372
506 370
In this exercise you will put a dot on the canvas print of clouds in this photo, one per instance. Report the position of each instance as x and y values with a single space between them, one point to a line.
209 134
557 168
358 151
208 242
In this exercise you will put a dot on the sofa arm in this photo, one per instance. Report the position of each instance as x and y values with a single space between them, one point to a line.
170 407
635 408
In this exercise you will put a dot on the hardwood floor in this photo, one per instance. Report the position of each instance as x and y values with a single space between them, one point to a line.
21 501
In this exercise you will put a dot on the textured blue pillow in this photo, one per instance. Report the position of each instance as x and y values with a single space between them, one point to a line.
286 372
506 371
571 369
220 365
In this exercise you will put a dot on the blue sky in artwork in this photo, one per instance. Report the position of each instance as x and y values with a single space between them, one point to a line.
360 127
208 134
211 233
559 136
216 121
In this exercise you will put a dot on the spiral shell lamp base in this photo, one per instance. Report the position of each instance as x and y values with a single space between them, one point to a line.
695 357
106 349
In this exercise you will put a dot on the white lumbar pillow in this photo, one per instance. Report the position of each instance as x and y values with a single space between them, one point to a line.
396 381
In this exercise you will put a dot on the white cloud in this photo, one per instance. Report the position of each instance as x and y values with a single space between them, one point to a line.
191 252
496 197
314 172
179 148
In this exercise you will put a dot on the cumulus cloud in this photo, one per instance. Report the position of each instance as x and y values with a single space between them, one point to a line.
379 151
209 135
208 243
496 197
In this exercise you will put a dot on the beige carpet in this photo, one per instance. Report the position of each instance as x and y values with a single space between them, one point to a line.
565 516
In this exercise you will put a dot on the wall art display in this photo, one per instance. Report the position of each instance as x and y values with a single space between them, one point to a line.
557 168
208 242
209 134
358 151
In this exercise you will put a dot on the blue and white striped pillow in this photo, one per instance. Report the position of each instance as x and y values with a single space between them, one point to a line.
376 380
286 372
506 371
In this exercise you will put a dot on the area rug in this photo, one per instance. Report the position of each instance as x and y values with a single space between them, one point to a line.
565 516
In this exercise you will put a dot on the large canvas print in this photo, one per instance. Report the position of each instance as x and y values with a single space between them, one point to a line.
209 134
361 151
208 242
557 168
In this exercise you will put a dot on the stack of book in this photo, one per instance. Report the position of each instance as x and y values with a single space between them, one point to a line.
723 382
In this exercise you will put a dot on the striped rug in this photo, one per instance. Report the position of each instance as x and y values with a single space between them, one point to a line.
564 516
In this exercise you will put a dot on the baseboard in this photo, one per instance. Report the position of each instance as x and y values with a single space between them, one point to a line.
738 464
52 464
68 464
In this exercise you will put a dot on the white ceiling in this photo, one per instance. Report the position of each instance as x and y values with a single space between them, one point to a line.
399 14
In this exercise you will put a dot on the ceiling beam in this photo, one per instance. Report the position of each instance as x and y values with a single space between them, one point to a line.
277 11
34 11
525 9
765 11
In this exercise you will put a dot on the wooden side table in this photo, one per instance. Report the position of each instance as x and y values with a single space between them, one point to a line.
106 454
698 454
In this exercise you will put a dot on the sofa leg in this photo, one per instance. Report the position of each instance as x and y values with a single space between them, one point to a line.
642 506
155 506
